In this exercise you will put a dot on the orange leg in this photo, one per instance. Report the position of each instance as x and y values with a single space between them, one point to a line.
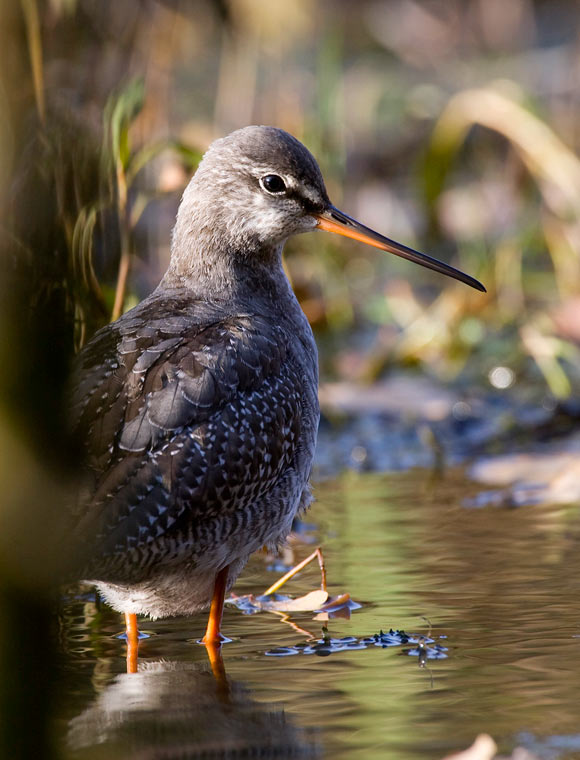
212 632
132 641
213 638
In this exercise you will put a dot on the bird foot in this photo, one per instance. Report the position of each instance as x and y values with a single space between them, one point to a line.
221 639
125 636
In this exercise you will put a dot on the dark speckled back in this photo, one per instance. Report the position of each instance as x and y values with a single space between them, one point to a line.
185 422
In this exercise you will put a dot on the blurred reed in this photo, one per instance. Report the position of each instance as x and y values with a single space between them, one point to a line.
555 171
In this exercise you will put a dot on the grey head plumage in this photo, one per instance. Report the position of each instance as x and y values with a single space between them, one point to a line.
232 216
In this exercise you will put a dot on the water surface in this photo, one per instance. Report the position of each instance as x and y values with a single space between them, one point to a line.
499 588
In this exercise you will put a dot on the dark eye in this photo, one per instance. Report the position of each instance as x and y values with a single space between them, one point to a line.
273 183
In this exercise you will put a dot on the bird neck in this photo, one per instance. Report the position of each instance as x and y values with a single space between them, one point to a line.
214 267
216 254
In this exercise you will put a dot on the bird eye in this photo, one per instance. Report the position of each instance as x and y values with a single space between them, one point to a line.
272 183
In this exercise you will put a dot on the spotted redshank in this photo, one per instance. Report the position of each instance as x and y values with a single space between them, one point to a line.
199 406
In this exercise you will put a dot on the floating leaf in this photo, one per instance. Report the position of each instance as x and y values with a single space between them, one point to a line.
337 607
307 603
483 748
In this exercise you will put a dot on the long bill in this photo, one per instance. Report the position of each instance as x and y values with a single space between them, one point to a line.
333 220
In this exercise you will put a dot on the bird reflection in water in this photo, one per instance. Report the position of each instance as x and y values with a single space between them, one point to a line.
179 709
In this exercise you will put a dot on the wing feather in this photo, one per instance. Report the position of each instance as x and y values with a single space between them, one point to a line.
182 429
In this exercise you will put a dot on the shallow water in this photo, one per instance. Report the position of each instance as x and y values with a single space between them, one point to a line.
498 587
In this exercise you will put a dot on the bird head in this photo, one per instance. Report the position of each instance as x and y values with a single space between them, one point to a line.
258 186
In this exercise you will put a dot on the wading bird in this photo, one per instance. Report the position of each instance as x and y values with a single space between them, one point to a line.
199 407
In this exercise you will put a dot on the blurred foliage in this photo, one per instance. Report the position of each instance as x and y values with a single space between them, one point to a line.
121 165
450 125
555 171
